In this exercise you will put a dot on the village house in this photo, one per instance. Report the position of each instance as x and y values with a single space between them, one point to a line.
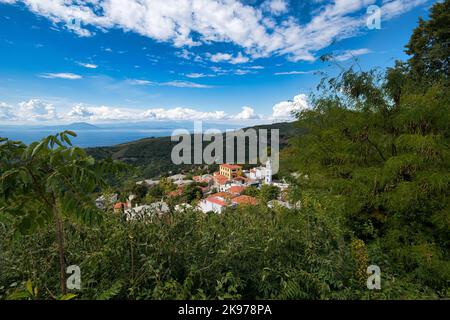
213 204
245 200
230 171
154 209
103 201
218 202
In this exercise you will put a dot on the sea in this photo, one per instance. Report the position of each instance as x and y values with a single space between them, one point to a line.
96 137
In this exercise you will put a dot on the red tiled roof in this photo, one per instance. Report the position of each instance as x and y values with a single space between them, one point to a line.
120 204
231 166
220 179
224 195
176 193
236 189
216 201
247 200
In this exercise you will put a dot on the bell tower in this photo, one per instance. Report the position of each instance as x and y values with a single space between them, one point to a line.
269 172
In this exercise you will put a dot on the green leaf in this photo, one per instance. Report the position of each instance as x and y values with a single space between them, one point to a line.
69 296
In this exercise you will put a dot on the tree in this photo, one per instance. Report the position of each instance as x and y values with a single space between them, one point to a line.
50 181
268 193
429 45
167 185
192 193
251 191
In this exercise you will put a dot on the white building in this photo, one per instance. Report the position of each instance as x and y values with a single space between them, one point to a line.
213 204
147 211
150 183
102 202
262 173
177 177
182 207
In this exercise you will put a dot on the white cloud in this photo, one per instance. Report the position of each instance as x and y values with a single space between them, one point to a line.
226 57
6 112
256 67
285 110
139 82
80 112
247 113
292 73
276 7
88 65
174 83
252 28
184 114
349 54
184 84
67 76
37 110
195 75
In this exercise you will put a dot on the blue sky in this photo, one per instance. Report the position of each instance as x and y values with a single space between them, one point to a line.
137 60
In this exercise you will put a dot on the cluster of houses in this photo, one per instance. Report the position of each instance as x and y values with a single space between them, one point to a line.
222 189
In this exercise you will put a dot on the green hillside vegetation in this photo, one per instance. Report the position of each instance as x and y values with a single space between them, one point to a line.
371 173
153 155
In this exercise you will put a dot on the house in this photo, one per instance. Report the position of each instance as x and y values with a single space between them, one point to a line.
230 171
182 207
206 178
223 195
120 207
183 182
132 201
212 204
262 173
147 211
220 181
237 190
176 193
177 177
278 203
103 201
150 183
245 200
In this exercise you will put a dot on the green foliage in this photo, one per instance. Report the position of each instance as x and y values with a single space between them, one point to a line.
429 45
377 151
268 193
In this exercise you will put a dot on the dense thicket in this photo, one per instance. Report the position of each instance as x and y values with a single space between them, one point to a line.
371 175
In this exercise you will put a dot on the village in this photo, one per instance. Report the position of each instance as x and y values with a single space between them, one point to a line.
229 187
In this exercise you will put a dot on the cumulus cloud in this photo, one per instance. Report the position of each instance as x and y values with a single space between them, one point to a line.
184 114
192 22
37 110
247 113
6 112
66 76
285 110
80 112
226 57
275 7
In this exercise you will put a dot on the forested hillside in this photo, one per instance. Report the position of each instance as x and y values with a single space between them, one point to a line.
369 177
153 155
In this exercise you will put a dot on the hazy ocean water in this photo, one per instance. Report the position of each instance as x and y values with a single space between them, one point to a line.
87 138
